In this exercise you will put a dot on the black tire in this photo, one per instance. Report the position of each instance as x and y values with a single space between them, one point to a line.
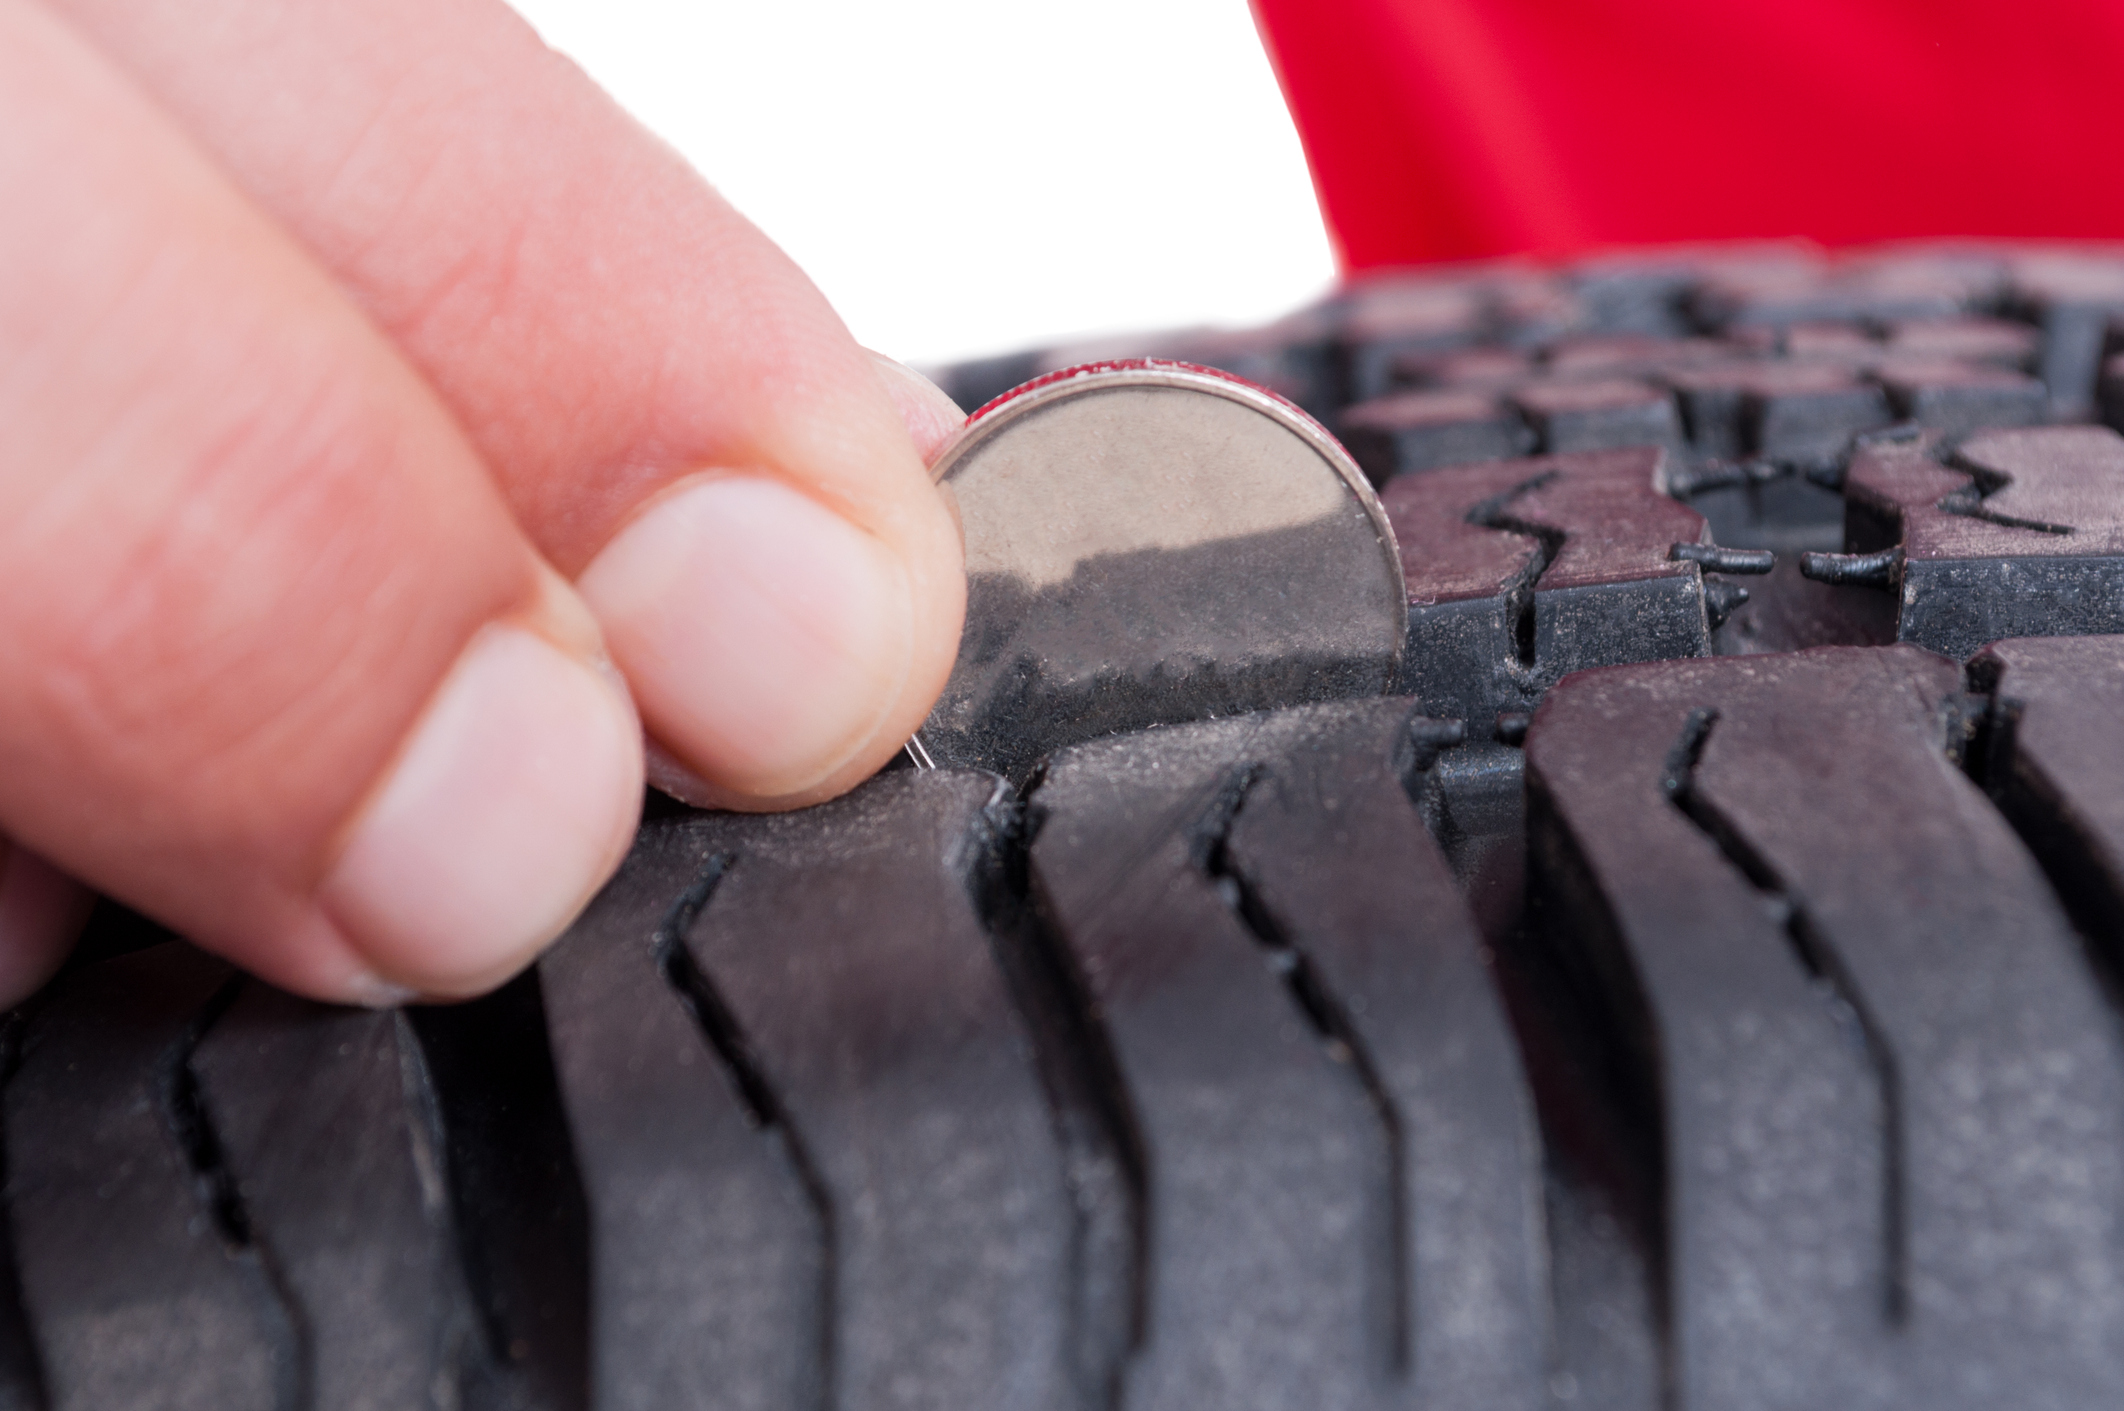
1743 1032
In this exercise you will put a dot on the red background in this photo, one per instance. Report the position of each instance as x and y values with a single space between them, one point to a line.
1448 129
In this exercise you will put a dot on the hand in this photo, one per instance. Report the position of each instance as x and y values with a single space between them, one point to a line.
385 420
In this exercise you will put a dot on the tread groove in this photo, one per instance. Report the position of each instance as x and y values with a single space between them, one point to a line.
475 1356
1329 1018
214 1181
22 1383
718 1024
1582 1022
1495 513
2038 816
517 1214
1088 1103
1818 957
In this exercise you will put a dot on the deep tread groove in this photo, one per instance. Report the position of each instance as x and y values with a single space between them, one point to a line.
1591 1051
726 1038
2076 877
1819 958
1329 1018
191 1123
475 1355
518 1213
1495 513
22 1385
1094 1121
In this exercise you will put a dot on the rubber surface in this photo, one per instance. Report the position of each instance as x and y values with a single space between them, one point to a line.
1885 1106
1662 1000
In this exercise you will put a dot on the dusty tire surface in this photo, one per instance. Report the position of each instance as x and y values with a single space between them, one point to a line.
1695 986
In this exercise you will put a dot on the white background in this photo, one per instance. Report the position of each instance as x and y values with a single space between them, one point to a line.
973 176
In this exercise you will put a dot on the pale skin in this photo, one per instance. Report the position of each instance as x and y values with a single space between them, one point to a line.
400 451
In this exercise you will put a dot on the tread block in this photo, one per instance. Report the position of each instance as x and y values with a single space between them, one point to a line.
1891 1095
1285 1099
1712 397
1793 412
1944 394
324 1119
2023 535
1521 571
1404 958
1882 286
1413 431
2071 298
1831 342
136 1276
1474 367
1629 354
1383 320
1531 310
707 1254
1983 340
835 1180
843 940
1598 414
1648 290
2056 765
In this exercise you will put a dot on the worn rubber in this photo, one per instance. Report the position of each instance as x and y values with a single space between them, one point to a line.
1662 1000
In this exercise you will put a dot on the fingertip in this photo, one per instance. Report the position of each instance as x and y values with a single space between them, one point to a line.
511 803
42 911
769 641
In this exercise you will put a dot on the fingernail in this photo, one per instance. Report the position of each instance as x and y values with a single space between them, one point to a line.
765 637
931 417
509 806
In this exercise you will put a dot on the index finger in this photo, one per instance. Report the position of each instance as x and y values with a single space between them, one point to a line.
662 396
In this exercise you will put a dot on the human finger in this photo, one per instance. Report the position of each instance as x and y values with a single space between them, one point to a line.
281 670
675 414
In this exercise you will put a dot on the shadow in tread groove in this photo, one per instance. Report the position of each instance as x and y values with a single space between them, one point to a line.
518 1212
1095 1126
21 1370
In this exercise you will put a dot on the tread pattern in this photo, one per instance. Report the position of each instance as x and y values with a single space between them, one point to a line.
322 1118
1365 1086
190 1317
889 1219
1750 1038
1186 1076
1522 571
2052 758
680 1224
2017 532
226 1197
1858 1218
1764 371
851 958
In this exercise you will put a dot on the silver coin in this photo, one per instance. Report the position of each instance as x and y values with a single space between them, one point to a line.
1148 543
